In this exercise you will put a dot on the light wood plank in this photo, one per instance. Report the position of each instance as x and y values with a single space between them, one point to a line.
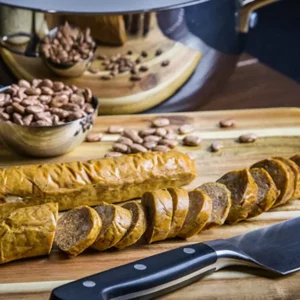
279 135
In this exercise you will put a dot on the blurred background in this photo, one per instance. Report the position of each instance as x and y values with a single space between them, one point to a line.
221 67
274 41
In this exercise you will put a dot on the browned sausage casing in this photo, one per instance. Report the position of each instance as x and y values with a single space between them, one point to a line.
243 194
27 232
77 229
296 170
7 208
93 182
200 209
267 191
296 160
181 202
283 177
116 220
138 225
221 202
159 210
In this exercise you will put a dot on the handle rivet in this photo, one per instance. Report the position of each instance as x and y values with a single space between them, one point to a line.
89 283
140 267
189 250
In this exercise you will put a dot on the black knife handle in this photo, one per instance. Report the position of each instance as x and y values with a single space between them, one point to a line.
144 279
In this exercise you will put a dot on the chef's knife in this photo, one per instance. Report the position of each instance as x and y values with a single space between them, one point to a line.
275 248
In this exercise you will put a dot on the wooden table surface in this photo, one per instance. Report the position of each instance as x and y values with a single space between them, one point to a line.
253 85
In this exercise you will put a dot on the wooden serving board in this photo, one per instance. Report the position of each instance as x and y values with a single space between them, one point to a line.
278 130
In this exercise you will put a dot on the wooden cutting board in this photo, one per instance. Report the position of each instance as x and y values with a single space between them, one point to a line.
278 130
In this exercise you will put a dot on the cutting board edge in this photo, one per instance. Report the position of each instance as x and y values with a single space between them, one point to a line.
208 112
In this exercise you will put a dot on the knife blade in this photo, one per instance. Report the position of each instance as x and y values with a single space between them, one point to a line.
275 248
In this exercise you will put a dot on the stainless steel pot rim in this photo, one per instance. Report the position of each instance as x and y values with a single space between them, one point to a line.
99 6
95 104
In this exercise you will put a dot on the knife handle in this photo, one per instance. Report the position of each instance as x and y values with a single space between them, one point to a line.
144 279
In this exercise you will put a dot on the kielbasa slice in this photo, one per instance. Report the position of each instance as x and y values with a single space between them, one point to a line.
296 170
200 209
159 210
138 225
243 194
283 177
77 230
180 198
221 202
116 220
267 191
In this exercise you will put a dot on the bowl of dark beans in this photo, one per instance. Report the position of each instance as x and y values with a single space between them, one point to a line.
45 118
67 50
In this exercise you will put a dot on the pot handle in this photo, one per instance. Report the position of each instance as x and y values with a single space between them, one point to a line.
247 10
31 46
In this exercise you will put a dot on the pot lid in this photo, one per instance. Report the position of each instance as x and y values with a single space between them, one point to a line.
99 6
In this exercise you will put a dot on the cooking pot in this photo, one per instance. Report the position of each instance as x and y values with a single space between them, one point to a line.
209 36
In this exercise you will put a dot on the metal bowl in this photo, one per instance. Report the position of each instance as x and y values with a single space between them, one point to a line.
47 141
73 70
